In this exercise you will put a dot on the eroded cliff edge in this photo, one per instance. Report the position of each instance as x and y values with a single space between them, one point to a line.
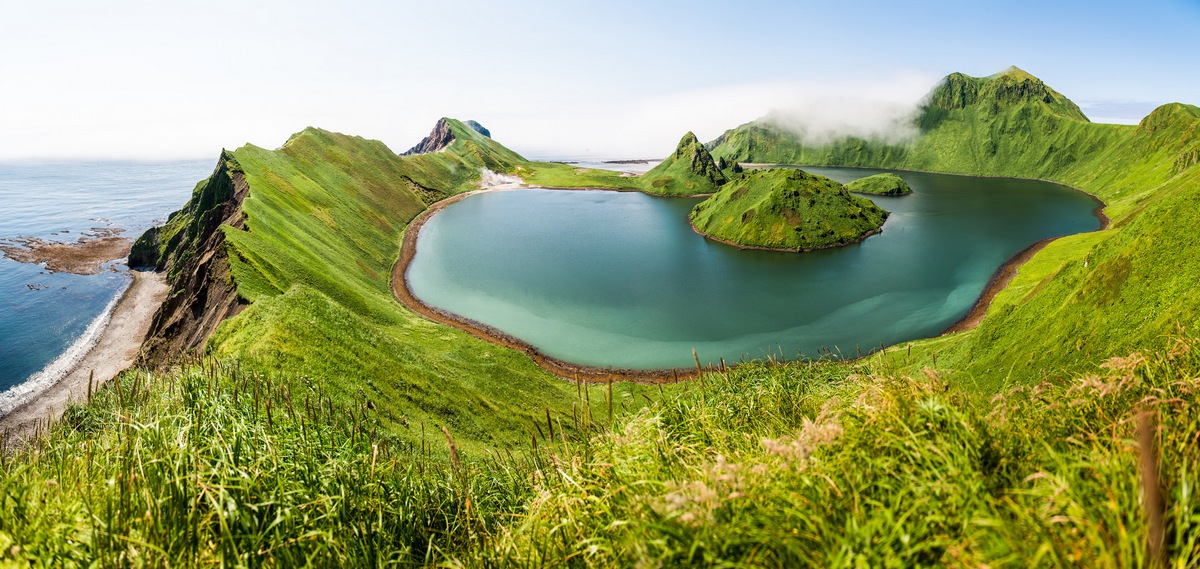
190 249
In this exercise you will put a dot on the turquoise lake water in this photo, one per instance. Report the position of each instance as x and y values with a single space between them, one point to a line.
620 280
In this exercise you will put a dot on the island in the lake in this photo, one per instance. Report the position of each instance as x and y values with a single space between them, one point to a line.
885 184
786 209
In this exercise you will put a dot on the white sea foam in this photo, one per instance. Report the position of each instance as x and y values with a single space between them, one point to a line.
22 393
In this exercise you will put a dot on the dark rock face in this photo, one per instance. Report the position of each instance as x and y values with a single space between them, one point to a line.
197 265
438 140
702 163
475 126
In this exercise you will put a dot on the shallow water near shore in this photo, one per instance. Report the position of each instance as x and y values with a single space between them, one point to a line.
619 280
47 318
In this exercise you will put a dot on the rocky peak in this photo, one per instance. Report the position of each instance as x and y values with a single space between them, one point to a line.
692 152
438 139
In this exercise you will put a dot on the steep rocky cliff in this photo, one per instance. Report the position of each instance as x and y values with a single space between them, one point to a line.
438 139
190 248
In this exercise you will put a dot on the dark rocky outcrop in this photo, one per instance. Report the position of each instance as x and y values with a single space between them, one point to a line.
690 170
440 138
196 261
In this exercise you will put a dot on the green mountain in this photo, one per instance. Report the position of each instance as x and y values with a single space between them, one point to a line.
886 184
330 426
690 170
1084 297
1008 88
787 210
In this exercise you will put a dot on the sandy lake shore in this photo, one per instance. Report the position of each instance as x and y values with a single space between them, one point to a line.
114 352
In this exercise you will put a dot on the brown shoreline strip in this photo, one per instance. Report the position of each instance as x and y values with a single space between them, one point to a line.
997 283
565 370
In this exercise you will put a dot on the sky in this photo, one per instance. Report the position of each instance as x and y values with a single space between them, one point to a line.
553 79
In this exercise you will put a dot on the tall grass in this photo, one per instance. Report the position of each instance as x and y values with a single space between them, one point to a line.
210 465
802 464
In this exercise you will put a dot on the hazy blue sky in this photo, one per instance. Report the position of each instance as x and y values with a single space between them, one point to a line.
614 78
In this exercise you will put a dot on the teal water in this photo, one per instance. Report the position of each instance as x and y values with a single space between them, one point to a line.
620 280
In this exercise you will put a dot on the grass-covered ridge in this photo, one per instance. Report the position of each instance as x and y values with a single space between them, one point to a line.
786 209
1083 297
886 184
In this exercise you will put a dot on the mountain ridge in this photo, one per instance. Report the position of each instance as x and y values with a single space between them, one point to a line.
1135 170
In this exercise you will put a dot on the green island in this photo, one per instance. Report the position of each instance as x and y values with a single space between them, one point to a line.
786 210
289 411
886 184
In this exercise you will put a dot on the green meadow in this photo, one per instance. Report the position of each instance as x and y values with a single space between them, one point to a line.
328 425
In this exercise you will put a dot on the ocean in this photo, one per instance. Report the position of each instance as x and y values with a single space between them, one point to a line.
49 320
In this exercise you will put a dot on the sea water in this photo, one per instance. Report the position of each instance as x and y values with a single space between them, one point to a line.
49 320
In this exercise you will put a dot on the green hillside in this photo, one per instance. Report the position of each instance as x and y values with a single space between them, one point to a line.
323 221
330 426
1084 297
788 210
688 171
799 465
885 184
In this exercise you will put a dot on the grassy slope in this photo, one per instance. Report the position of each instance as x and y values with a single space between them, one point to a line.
325 216
881 185
554 175
1138 273
798 465
786 209
771 465
688 171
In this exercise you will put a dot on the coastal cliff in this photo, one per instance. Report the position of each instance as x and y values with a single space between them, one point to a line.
190 249
221 254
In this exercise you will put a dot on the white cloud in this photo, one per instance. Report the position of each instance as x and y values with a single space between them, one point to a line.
820 109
